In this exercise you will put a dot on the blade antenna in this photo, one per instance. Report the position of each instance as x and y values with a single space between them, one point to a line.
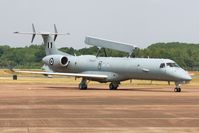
56 32
34 33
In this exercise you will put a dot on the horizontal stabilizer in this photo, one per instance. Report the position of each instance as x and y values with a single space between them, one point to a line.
110 44
34 33
41 33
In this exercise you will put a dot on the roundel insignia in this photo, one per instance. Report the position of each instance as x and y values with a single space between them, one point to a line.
51 61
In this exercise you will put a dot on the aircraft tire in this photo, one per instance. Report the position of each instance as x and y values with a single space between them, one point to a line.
177 89
83 87
112 86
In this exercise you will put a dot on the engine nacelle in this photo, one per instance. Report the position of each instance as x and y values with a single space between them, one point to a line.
56 60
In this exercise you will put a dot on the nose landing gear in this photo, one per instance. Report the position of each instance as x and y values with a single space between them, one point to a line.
177 89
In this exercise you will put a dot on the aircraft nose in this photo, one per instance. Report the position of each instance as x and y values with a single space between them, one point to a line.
180 74
187 77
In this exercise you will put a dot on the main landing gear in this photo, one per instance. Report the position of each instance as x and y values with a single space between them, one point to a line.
177 89
114 85
83 84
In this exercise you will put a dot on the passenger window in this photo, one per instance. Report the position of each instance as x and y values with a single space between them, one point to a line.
162 65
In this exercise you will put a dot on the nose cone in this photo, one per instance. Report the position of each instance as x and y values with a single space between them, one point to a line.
180 75
183 76
187 77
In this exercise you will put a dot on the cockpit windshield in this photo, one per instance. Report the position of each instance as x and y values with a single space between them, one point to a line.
162 65
172 65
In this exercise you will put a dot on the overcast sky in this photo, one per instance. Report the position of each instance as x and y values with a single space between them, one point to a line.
139 22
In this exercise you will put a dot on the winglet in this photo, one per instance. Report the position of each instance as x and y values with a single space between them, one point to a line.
55 28
34 33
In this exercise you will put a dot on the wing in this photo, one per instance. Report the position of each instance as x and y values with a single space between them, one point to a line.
98 76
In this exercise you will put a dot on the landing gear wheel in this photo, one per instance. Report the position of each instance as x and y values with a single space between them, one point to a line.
177 89
113 86
83 86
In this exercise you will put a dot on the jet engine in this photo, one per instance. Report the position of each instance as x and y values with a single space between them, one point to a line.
56 60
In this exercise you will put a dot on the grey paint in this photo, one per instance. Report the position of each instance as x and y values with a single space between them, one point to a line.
123 68
110 44
117 69
109 69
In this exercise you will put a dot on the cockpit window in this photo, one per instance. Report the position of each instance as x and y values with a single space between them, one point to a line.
162 65
172 65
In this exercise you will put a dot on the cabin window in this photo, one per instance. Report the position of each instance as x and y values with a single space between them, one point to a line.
162 65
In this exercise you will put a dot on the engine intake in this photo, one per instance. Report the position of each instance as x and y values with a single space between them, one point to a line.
64 61
56 60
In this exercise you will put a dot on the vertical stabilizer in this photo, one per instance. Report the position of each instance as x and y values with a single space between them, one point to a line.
49 44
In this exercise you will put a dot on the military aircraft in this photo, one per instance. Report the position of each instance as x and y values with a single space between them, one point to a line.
106 69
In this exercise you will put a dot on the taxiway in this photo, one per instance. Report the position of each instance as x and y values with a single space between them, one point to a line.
33 108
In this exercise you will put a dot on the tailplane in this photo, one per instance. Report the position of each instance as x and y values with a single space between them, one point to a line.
49 39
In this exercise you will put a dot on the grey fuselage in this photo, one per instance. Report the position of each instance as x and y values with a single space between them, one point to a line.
121 69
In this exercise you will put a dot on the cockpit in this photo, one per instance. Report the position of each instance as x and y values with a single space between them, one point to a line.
163 65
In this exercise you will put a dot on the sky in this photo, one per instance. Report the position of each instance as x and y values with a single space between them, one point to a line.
138 22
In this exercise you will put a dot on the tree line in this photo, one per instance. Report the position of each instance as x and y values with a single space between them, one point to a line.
30 57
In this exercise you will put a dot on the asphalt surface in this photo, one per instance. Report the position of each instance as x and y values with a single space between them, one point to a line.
31 108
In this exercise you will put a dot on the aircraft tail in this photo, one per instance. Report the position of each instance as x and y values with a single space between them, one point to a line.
48 40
